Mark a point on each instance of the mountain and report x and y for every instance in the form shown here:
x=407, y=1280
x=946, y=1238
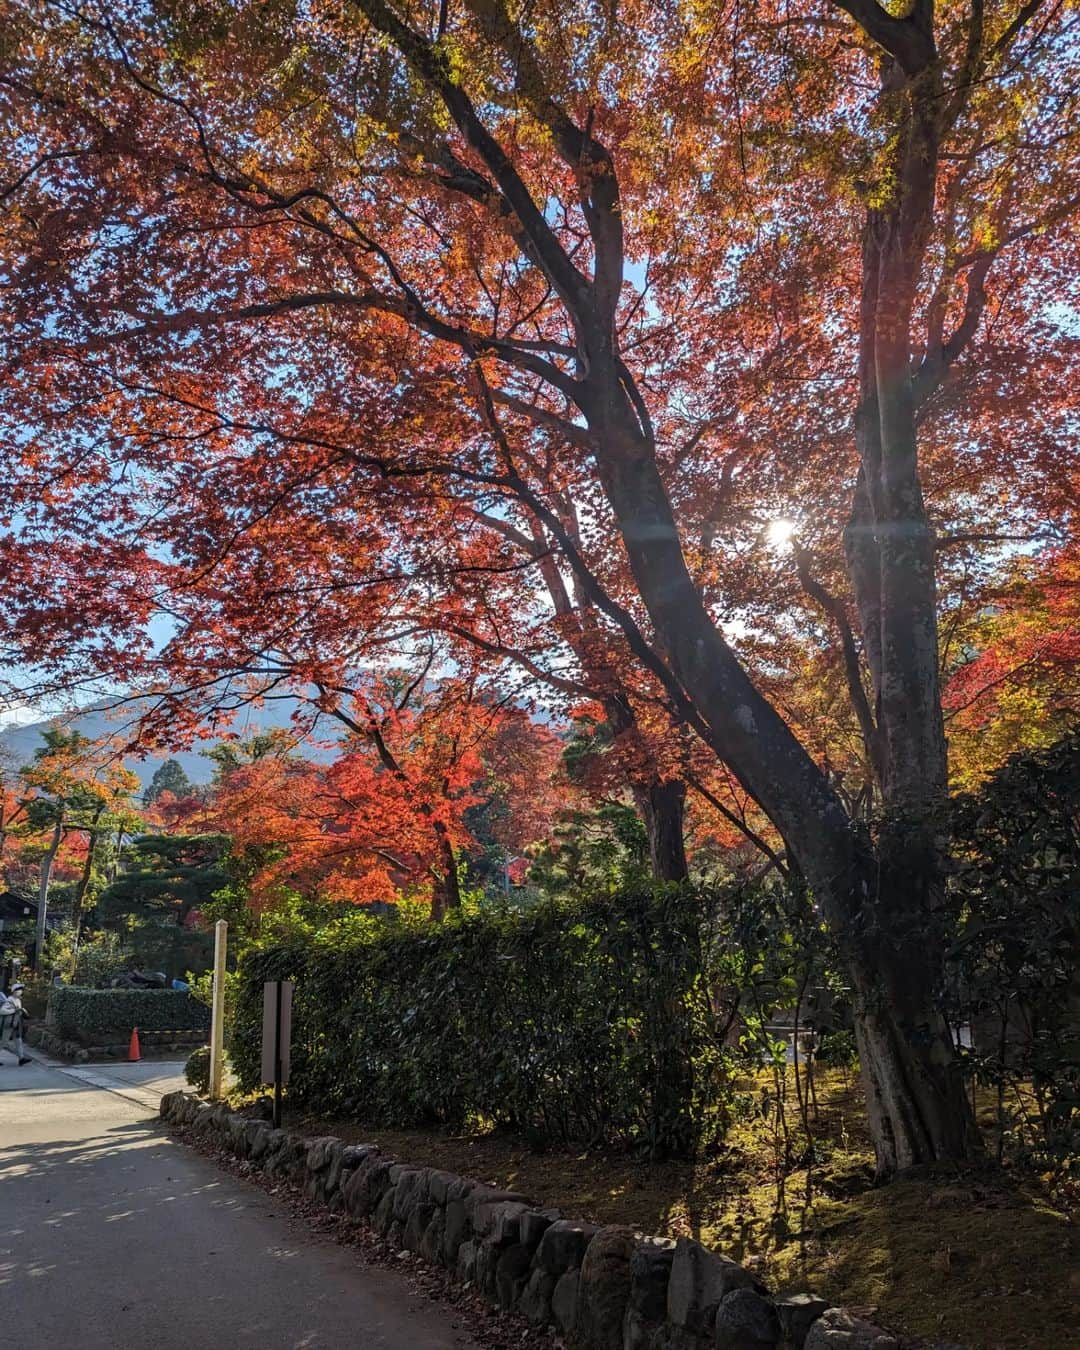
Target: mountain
x=108, y=719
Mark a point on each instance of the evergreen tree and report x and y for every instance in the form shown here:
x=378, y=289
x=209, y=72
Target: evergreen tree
x=168, y=777
x=165, y=878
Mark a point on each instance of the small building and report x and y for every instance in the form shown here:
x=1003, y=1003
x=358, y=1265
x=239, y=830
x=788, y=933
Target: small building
x=16, y=909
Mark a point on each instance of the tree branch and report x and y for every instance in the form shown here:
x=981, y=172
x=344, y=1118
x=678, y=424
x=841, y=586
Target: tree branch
x=433, y=69
x=909, y=40
x=852, y=670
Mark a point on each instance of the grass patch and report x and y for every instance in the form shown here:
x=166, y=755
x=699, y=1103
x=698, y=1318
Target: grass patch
x=983, y=1259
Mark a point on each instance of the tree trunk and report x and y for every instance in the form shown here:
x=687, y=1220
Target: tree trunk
x=919, y=1111
x=662, y=805
x=84, y=879
x=869, y=903
x=446, y=893
x=83, y=887
x=43, y=889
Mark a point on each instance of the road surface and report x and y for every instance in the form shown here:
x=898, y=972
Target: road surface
x=113, y=1237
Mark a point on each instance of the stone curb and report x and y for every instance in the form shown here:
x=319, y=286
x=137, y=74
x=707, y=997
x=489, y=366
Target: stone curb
x=602, y=1288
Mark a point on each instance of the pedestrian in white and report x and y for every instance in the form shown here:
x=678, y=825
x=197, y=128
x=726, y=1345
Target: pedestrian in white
x=11, y=1024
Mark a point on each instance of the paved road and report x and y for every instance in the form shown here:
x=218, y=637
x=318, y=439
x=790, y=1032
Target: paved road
x=112, y=1237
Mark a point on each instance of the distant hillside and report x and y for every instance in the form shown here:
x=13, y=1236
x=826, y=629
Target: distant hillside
x=105, y=720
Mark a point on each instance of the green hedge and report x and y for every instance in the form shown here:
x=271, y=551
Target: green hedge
x=585, y=1021
x=73, y=1010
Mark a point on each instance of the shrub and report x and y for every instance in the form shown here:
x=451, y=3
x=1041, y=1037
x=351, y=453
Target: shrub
x=1014, y=964
x=74, y=1011
x=197, y=1069
x=100, y=957
x=590, y=1020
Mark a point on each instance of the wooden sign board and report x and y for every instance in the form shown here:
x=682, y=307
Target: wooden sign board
x=277, y=1030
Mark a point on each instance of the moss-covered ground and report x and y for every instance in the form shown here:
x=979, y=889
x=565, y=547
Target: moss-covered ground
x=983, y=1258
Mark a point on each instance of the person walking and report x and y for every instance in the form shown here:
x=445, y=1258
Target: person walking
x=12, y=1018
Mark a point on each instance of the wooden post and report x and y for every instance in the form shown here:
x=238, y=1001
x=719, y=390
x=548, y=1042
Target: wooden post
x=277, y=1038
x=217, y=1011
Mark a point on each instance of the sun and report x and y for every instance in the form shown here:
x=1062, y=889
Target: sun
x=779, y=534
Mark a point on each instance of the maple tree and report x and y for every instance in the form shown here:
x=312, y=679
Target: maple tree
x=291, y=331
x=1015, y=685
x=74, y=788
x=393, y=810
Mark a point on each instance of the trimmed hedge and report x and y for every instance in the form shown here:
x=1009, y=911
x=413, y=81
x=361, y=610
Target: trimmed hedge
x=74, y=1011
x=588, y=1020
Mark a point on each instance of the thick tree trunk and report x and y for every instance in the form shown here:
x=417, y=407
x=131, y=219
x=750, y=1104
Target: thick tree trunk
x=918, y=1108
x=916, y=1115
x=918, y=1112
x=916, y=1102
x=662, y=804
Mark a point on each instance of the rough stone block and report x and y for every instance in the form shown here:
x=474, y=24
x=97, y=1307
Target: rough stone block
x=638, y=1332
x=456, y=1229
x=535, y=1301
x=262, y=1108
x=257, y=1136
x=650, y=1272
x=335, y=1163
x=699, y=1280
x=533, y=1224
x=797, y=1315
x=336, y=1201
x=564, y=1301
x=512, y=1274
x=384, y=1213
x=487, y=1258
x=668, y=1337
x=500, y=1223
x=235, y=1127
x=465, y=1265
x=319, y=1152
x=746, y=1321
x=837, y=1329
x=169, y=1106
x=408, y=1188
x=563, y=1246
x=488, y=1198
x=460, y=1188
x=603, y=1293
x=439, y=1184
x=352, y=1155
x=288, y=1158
x=431, y=1243
x=200, y=1120
x=275, y=1142
x=414, y=1226
x=367, y=1185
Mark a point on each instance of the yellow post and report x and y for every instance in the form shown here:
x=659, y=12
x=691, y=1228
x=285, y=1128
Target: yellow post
x=217, y=1011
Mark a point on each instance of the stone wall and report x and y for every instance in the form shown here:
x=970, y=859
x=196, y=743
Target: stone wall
x=601, y=1288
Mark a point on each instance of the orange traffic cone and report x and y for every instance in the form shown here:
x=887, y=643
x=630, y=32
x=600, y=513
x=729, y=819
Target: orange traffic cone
x=133, y=1047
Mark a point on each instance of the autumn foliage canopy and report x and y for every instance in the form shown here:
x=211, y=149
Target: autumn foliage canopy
x=710, y=368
